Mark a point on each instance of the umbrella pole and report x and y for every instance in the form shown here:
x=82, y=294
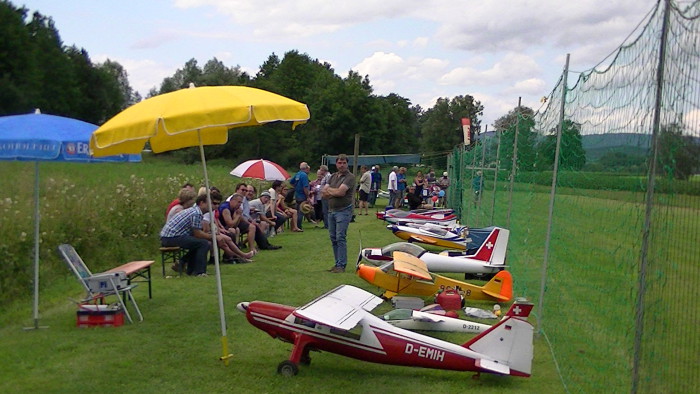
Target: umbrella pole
x=36, y=249
x=224, y=341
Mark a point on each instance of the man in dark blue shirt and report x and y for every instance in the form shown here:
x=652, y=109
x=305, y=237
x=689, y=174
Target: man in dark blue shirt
x=375, y=185
x=301, y=189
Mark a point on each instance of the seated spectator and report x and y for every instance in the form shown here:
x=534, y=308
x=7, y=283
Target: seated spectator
x=259, y=209
x=279, y=217
x=177, y=200
x=185, y=199
x=289, y=212
x=414, y=200
x=232, y=253
x=185, y=230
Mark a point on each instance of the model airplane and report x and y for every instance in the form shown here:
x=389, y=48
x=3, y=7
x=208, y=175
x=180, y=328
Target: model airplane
x=455, y=237
x=425, y=321
x=487, y=259
x=409, y=275
x=441, y=216
x=339, y=322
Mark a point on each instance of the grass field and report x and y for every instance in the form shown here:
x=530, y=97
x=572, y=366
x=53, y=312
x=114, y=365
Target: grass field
x=112, y=213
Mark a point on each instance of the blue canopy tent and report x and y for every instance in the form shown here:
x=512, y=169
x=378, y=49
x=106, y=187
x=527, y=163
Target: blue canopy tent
x=37, y=137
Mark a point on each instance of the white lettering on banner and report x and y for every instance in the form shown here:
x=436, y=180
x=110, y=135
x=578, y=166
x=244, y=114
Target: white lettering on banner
x=425, y=352
x=83, y=149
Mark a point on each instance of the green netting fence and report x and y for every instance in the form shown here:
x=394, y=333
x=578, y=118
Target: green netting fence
x=601, y=192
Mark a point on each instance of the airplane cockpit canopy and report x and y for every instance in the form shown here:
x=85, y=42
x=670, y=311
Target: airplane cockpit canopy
x=406, y=247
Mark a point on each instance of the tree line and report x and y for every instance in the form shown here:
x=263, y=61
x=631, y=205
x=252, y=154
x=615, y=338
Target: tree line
x=38, y=71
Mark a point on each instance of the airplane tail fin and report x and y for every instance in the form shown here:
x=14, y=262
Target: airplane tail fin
x=493, y=250
x=507, y=346
x=500, y=286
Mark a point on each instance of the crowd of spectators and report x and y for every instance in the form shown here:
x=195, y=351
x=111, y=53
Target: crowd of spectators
x=246, y=219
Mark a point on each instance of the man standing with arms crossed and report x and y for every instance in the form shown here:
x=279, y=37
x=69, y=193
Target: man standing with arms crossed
x=339, y=192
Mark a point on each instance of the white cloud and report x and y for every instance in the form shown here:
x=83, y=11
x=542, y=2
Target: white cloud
x=509, y=68
x=380, y=64
x=530, y=86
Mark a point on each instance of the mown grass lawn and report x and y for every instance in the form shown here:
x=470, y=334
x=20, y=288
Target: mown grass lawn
x=176, y=348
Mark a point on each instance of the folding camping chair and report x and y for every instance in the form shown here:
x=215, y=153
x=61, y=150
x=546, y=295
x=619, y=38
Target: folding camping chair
x=98, y=286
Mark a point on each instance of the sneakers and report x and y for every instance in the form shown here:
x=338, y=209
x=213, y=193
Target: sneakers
x=202, y=275
x=336, y=270
x=271, y=247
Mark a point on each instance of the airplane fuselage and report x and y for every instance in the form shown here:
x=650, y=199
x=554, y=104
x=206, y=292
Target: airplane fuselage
x=373, y=340
x=399, y=283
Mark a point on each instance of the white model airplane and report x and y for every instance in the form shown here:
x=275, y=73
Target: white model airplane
x=339, y=322
x=489, y=258
x=425, y=321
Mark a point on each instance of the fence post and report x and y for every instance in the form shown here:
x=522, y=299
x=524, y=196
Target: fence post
x=651, y=177
x=552, y=193
x=495, y=174
x=515, y=161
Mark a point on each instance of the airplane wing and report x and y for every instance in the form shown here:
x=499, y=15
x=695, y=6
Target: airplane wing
x=411, y=265
x=339, y=308
x=427, y=317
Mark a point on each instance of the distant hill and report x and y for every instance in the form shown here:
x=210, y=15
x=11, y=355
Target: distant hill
x=597, y=145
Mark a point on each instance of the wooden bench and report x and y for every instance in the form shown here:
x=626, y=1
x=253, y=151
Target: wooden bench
x=137, y=269
x=171, y=254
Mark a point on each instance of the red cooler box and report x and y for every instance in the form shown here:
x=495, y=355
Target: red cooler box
x=100, y=315
x=449, y=300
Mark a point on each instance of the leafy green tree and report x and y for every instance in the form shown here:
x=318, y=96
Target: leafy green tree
x=116, y=71
x=520, y=119
x=55, y=78
x=679, y=153
x=215, y=73
x=572, y=156
x=441, y=125
x=18, y=83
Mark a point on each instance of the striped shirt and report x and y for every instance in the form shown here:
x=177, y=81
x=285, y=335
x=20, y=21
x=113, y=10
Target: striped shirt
x=183, y=223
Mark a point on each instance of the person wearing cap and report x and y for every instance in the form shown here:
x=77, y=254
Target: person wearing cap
x=259, y=208
x=444, y=183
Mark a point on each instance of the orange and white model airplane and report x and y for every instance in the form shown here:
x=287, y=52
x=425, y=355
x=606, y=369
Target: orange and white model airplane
x=340, y=322
x=482, y=263
x=409, y=275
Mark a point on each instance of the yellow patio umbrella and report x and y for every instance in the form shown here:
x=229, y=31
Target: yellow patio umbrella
x=196, y=116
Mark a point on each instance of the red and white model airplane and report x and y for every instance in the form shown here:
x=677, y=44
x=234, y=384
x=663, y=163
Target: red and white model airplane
x=339, y=322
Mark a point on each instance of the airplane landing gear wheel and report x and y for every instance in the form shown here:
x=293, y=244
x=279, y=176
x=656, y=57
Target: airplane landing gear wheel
x=287, y=369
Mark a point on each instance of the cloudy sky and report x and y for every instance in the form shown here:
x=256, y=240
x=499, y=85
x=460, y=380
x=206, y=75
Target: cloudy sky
x=494, y=50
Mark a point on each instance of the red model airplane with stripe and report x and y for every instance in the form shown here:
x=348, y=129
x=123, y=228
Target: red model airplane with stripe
x=339, y=322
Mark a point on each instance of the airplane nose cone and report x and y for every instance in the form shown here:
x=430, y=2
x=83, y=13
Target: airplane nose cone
x=242, y=306
x=366, y=272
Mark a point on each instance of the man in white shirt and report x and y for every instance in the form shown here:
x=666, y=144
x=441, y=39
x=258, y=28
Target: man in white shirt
x=393, y=186
x=260, y=207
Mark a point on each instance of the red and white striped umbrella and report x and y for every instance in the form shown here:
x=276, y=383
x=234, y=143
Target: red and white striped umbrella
x=260, y=169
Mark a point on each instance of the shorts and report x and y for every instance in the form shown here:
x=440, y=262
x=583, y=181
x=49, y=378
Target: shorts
x=364, y=195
